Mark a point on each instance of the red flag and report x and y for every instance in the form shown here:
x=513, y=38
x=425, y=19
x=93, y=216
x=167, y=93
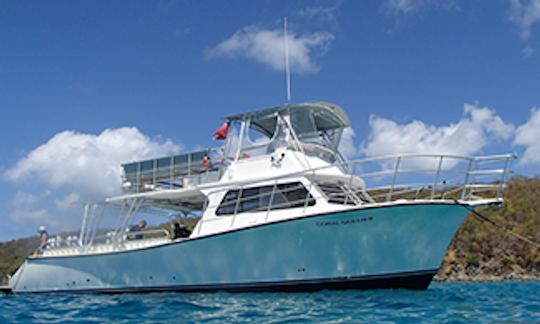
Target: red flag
x=221, y=132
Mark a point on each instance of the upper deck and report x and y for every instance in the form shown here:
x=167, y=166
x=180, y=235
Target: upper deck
x=172, y=172
x=312, y=129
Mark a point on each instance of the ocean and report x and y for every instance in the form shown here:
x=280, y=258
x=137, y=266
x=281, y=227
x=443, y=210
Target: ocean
x=442, y=302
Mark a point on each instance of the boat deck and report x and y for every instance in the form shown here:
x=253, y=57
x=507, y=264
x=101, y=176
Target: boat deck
x=107, y=248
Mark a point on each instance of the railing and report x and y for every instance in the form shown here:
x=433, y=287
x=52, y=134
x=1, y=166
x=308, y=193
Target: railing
x=415, y=176
x=146, y=234
x=388, y=178
x=70, y=244
x=174, y=172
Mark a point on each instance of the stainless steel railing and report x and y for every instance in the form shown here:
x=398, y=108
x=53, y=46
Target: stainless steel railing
x=389, y=178
x=149, y=175
x=434, y=176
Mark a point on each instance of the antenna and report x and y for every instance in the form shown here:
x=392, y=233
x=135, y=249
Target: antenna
x=287, y=68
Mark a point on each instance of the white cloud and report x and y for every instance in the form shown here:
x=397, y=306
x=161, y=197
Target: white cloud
x=267, y=47
x=346, y=146
x=324, y=13
x=25, y=215
x=24, y=209
x=87, y=164
x=25, y=199
x=477, y=127
x=68, y=202
x=397, y=7
x=528, y=135
x=525, y=13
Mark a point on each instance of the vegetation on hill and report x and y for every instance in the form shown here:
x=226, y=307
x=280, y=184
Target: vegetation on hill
x=482, y=251
x=479, y=251
x=13, y=254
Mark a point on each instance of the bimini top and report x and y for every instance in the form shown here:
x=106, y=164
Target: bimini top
x=305, y=117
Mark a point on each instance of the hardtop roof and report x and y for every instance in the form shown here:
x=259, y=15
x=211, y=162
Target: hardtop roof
x=325, y=116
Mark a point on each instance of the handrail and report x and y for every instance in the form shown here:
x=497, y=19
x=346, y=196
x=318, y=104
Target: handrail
x=387, y=179
x=447, y=178
x=147, y=232
x=444, y=189
x=173, y=175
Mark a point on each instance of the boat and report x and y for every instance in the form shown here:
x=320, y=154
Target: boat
x=278, y=209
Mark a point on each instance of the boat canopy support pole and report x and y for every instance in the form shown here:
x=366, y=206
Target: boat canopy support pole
x=240, y=140
x=134, y=205
x=96, y=224
x=86, y=231
x=83, y=225
x=296, y=142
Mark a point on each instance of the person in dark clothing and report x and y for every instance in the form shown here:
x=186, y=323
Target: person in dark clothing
x=137, y=228
x=180, y=230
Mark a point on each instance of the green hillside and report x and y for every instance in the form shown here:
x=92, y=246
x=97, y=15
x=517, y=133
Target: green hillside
x=13, y=253
x=483, y=251
x=480, y=251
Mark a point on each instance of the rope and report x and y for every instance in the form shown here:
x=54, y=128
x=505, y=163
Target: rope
x=512, y=233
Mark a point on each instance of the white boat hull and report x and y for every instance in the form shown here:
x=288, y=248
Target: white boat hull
x=394, y=246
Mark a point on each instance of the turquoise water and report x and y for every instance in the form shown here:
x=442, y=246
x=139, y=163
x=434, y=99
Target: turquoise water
x=448, y=302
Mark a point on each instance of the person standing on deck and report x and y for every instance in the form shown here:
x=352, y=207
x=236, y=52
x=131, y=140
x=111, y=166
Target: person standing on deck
x=43, y=238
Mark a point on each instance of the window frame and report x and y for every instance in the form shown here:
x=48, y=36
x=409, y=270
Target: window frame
x=236, y=199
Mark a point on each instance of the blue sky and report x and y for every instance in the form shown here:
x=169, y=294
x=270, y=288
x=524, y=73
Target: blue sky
x=97, y=82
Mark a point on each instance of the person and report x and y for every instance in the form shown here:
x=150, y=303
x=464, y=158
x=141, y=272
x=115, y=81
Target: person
x=43, y=239
x=207, y=163
x=137, y=228
x=180, y=230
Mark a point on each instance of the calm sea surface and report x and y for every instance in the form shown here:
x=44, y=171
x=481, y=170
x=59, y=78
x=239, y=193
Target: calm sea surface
x=448, y=302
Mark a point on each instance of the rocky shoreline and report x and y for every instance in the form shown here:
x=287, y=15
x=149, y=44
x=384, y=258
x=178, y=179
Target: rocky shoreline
x=511, y=277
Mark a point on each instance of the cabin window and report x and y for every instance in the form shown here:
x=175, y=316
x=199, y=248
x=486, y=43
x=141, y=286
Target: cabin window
x=286, y=195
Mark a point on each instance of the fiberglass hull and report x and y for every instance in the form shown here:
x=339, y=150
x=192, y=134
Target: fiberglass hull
x=396, y=246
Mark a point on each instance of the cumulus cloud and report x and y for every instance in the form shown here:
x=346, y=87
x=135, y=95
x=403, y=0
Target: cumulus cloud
x=347, y=146
x=26, y=199
x=525, y=13
x=24, y=209
x=87, y=164
x=398, y=7
x=528, y=135
x=75, y=167
x=26, y=215
x=267, y=47
x=68, y=202
x=471, y=134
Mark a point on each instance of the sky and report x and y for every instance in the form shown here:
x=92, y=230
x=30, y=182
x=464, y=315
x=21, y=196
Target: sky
x=87, y=85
